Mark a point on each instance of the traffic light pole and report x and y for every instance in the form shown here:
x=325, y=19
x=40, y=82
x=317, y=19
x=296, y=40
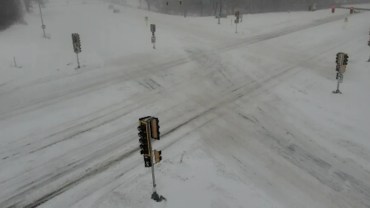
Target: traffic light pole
x=155, y=195
x=42, y=20
x=340, y=79
x=148, y=130
x=78, y=61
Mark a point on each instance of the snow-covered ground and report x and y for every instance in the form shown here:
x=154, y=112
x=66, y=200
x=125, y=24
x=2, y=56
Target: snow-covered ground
x=247, y=119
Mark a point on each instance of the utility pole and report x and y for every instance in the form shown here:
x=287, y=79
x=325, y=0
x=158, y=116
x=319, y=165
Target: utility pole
x=43, y=26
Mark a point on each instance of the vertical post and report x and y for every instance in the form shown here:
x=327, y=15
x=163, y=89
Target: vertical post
x=78, y=61
x=15, y=63
x=340, y=79
x=155, y=195
x=368, y=43
x=149, y=130
x=236, y=27
x=219, y=12
x=42, y=20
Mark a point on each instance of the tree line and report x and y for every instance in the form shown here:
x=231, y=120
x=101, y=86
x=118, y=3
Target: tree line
x=227, y=7
x=12, y=11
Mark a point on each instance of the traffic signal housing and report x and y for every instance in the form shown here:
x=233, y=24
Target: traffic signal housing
x=345, y=59
x=157, y=156
x=143, y=138
x=154, y=126
x=147, y=161
x=76, y=42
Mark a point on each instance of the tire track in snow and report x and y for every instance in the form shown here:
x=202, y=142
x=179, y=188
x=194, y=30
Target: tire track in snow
x=237, y=93
x=116, y=78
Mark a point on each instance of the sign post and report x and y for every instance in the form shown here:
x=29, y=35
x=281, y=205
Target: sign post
x=76, y=41
x=148, y=130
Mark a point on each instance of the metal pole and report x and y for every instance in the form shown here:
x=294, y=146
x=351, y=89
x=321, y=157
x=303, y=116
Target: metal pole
x=236, y=27
x=15, y=63
x=78, y=61
x=219, y=13
x=153, y=175
x=155, y=195
x=42, y=19
x=340, y=78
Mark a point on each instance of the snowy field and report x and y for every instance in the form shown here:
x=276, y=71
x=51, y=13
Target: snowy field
x=247, y=119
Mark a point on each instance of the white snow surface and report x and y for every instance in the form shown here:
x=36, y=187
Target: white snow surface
x=247, y=119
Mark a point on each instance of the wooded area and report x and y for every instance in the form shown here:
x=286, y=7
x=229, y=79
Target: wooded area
x=212, y=7
x=10, y=11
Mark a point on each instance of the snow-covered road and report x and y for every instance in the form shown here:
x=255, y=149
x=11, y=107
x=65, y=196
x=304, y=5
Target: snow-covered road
x=250, y=116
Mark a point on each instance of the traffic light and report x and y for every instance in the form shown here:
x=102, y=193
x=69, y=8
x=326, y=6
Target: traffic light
x=368, y=43
x=337, y=58
x=157, y=156
x=152, y=28
x=76, y=42
x=237, y=14
x=345, y=59
x=147, y=161
x=337, y=68
x=180, y=2
x=167, y=3
x=143, y=138
x=154, y=122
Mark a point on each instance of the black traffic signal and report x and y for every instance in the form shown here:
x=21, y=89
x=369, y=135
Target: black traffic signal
x=143, y=138
x=167, y=3
x=147, y=161
x=345, y=59
x=337, y=68
x=152, y=28
x=237, y=14
x=337, y=58
x=76, y=42
x=154, y=122
x=180, y=2
x=368, y=43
